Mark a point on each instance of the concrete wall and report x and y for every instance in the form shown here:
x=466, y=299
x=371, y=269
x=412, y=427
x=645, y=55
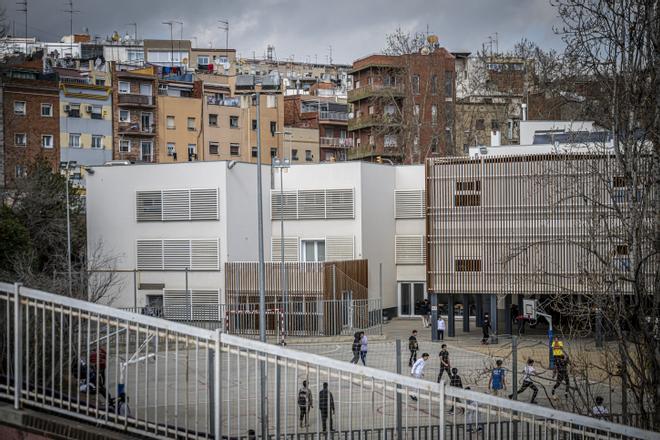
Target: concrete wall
x=111, y=219
x=527, y=128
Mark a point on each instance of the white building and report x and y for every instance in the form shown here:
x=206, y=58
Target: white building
x=162, y=219
x=157, y=218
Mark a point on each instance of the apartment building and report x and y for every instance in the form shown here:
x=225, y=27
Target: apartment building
x=134, y=122
x=403, y=106
x=30, y=120
x=180, y=122
x=213, y=61
x=170, y=54
x=85, y=121
x=325, y=114
x=230, y=118
x=491, y=96
x=301, y=145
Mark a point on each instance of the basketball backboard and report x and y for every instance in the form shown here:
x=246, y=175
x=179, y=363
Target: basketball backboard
x=530, y=308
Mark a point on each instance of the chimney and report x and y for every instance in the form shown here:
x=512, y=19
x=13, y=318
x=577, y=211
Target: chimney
x=495, y=138
x=524, y=111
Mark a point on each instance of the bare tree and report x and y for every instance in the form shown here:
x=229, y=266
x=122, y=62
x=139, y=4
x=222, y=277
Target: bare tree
x=612, y=188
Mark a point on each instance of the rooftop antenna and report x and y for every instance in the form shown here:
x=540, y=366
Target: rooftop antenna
x=330, y=54
x=23, y=7
x=180, y=38
x=135, y=29
x=71, y=11
x=497, y=43
x=224, y=26
x=170, y=24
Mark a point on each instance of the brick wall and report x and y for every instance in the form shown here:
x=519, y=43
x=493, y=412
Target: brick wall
x=33, y=93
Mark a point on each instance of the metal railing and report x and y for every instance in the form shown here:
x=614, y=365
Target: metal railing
x=333, y=116
x=307, y=316
x=68, y=356
x=130, y=98
x=336, y=142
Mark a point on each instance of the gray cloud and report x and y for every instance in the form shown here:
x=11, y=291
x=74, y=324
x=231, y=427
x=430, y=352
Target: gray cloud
x=304, y=29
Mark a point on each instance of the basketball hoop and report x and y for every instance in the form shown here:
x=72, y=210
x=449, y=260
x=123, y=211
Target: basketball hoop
x=530, y=307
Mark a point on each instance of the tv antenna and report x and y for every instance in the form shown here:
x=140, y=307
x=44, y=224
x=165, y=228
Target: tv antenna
x=224, y=26
x=135, y=29
x=71, y=11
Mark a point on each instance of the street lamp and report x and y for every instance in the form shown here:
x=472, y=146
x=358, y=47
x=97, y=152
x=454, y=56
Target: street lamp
x=282, y=165
x=67, y=167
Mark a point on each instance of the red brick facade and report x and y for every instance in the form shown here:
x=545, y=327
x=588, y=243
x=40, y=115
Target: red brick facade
x=29, y=135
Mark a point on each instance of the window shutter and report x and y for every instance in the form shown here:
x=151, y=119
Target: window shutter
x=311, y=204
x=148, y=206
x=204, y=204
x=339, y=248
x=290, y=205
x=410, y=203
x=205, y=254
x=291, y=249
x=176, y=304
x=149, y=254
x=410, y=249
x=340, y=203
x=176, y=205
x=176, y=254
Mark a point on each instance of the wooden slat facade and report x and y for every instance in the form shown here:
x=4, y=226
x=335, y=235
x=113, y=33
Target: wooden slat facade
x=518, y=224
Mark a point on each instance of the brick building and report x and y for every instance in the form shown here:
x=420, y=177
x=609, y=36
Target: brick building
x=403, y=106
x=135, y=119
x=325, y=114
x=30, y=119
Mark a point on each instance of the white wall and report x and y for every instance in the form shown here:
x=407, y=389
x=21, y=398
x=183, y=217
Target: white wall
x=111, y=218
x=528, y=128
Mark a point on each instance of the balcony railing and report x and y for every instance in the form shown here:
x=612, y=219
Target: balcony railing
x=227, y=102
x=332, y=142
x=375, y=90
x=372, y=120
x=136, y=129
x=333, y=116
x=131, y=99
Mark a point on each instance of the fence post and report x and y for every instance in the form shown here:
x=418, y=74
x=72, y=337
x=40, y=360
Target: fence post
x=399, y=423
x=217, y=408
x=514, y=367
x=135, y=310
x=18, y=348
x=334, y=282
x=442, y=410
x=380, y=294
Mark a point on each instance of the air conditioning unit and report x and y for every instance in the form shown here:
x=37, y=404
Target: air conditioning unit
x=88, y=108
x=67, y=108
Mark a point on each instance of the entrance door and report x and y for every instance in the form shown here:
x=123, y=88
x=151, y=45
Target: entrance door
x=411, y=294
x=146, y=151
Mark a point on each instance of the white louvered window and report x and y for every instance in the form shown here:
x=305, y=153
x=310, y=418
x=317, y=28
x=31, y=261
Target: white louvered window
x=410, y=249
x=150, y=254
x=339, y=248
x=178, y=254
x=311, y=204
x=410, y=204
x=339, y=203
x=195, y=304
x=314, y=204
x=177, y=205
x=291, y=249
x=290, y=205
x=149, y=206
x=204, y=204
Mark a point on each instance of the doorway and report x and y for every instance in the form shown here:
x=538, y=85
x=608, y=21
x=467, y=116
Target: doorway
x=411, y=294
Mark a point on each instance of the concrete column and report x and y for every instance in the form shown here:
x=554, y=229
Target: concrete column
x=451, y=319
x=434, y=317
x=507, y=315
x=466, y=313
x=493, y=319
x=478, y=309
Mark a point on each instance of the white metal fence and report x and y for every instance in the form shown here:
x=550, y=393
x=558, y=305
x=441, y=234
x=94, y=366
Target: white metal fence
x=72, y=357
x=311, y=317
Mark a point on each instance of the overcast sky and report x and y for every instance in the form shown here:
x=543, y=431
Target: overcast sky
x=303, y=28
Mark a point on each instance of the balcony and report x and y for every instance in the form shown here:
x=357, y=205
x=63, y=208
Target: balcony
x=333, y=116
x=371, y=152
x=129, y=99
x=375, y=90
x=136, y=129
x=332, y=142
x=372, y=121
x=227, y=102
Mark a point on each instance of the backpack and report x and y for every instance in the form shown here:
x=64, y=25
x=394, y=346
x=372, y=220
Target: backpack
x=302, y=397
